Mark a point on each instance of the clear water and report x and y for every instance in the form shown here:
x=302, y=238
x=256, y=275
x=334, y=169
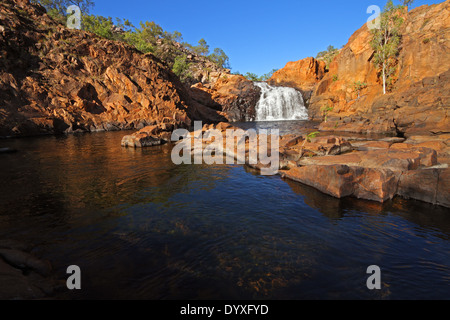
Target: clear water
x=142, y=228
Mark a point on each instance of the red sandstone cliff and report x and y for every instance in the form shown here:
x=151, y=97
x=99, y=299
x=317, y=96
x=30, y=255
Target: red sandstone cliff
x=302, y=75
x=233, y=95
x=57, y=80
x=419, y=102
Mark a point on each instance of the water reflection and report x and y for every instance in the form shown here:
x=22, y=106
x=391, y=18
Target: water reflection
x=419, y=213
x=140, y=227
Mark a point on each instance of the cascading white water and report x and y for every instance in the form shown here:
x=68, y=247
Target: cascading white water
x=280, y=103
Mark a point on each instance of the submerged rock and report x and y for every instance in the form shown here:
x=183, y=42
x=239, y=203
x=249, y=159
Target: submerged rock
x=24, y=260
x=22, y=275
x=141, y=141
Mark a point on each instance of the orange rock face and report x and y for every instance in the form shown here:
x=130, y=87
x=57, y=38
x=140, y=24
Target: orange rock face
x=377, y=175
x=419, y=101
x=302, y=75
x=57, y=80
x=342, y=181
x=233, y=95
x=372, y=170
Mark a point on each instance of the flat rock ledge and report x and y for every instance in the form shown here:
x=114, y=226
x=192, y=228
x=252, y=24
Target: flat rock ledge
x=150, y=136
x=378, y=170
x=417, y=168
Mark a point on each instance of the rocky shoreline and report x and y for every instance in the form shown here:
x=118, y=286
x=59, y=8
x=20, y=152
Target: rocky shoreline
x=375, y=170
x=378, y=170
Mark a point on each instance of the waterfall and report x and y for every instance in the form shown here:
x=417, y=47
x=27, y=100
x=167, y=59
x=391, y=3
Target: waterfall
x=280, y=103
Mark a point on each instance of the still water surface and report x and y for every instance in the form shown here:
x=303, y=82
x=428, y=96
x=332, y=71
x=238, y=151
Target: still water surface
x=140, y=227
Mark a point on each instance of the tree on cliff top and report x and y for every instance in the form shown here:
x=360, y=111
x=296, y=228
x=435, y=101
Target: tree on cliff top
x=407, y=3
x=254, y=77
x=386, y=42
x=220, y=58
x=328, y=55
x=148, y=37
x=202, y=49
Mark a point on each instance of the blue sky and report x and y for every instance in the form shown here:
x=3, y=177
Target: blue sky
x=258, y=36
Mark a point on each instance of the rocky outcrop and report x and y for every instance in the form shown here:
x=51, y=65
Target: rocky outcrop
x=376, y=170
x=413, y=165
x=150, y=136
x=56, y=80
x=302, y=75
x=343, y=181
x=233, y=95
x=419, y=102
x=430, y=185
x=200, y=68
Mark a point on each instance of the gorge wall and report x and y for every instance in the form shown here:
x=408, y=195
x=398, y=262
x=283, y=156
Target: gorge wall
x=419, y=102
x=56, y=80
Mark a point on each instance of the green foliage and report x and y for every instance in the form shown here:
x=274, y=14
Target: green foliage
x=269, y=75
x=328, y=55
x=181, y=68
x=145, y=37
x=254, y=77
x=148, y=37
x=407, y=3
x=57, y=9
x=386, y=42
x=220, y=58
x=202, y=49
x=325, y=110
x=358, y=86
x=99, y=25
x=312, y=135
x=335, y=78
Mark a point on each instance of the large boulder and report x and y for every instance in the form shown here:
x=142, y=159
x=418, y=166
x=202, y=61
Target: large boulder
x=378, y=170
x=151, y=136
x=343, y=181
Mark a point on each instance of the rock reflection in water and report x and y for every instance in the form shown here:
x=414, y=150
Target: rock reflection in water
x=140, y=227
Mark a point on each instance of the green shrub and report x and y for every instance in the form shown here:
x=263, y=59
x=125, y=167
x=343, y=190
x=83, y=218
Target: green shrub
x=181, y=68
x=358, y=86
